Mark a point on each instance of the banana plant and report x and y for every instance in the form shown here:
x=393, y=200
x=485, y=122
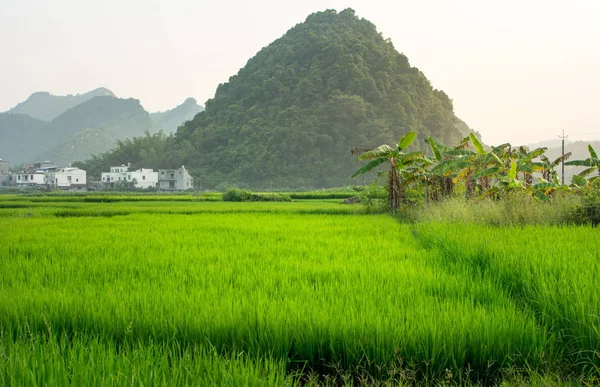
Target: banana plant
x=419, y=173
x=592, y=162
x=544, y=188
x=475, y=167
x=397, y=159
x=441, y=178
x=526, y=164
x=507, y=183
x=549, y=167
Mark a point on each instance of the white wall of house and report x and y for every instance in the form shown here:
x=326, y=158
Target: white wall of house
x=143, y=178
x=122, y=168
x=67, y=177
x=24, y=179
x=175, y=179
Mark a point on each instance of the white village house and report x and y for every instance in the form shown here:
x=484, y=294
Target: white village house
x=141, y=178
x=175, y=179
x=33, y=175
x=29, y=178
x=49, y=175
x=69, y=177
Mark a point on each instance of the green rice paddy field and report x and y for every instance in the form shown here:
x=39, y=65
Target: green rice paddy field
x=191, y=292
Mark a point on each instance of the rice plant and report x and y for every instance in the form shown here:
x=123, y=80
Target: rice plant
x=285, y=293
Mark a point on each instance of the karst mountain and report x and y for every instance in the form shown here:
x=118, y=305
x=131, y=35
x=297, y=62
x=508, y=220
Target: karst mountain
x=291, y=115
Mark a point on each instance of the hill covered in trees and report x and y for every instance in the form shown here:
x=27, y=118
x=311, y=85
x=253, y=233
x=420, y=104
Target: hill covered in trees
x=291, y=115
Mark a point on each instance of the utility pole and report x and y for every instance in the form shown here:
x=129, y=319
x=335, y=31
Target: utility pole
x=563, y=155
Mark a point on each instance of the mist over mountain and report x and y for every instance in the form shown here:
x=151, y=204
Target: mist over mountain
x=45, y=106
x=80, y=146
x=552, y=143
x=120, y=118
x=17, y=133
x=91, y=126
x=170, y=120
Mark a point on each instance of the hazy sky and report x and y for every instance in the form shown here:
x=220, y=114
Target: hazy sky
x=517, y=70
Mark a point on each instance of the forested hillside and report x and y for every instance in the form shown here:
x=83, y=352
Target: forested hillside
x=79, y=146
x=290, y=117
x=292, y=114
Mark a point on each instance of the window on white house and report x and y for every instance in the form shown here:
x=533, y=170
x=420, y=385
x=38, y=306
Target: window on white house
x=77, y=180
x=144, y=177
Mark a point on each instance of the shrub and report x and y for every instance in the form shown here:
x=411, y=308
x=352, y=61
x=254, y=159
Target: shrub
x=244, y=195
x=588, y=212
x=374, y=198
x=237, y=195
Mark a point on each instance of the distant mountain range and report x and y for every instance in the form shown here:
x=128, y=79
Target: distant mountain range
x=171, y=119
x=46, y=107
x=64, y=129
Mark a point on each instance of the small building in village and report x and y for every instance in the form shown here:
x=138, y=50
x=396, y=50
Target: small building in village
x=29, y=178
x=122, y=175
x=69, y=177
x=175, y=179
x=48, y=175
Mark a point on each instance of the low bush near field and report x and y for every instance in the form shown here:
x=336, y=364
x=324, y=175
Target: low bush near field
x=244, y=195
x=588, y=212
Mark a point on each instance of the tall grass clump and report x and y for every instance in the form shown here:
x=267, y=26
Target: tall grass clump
x=515, y=209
